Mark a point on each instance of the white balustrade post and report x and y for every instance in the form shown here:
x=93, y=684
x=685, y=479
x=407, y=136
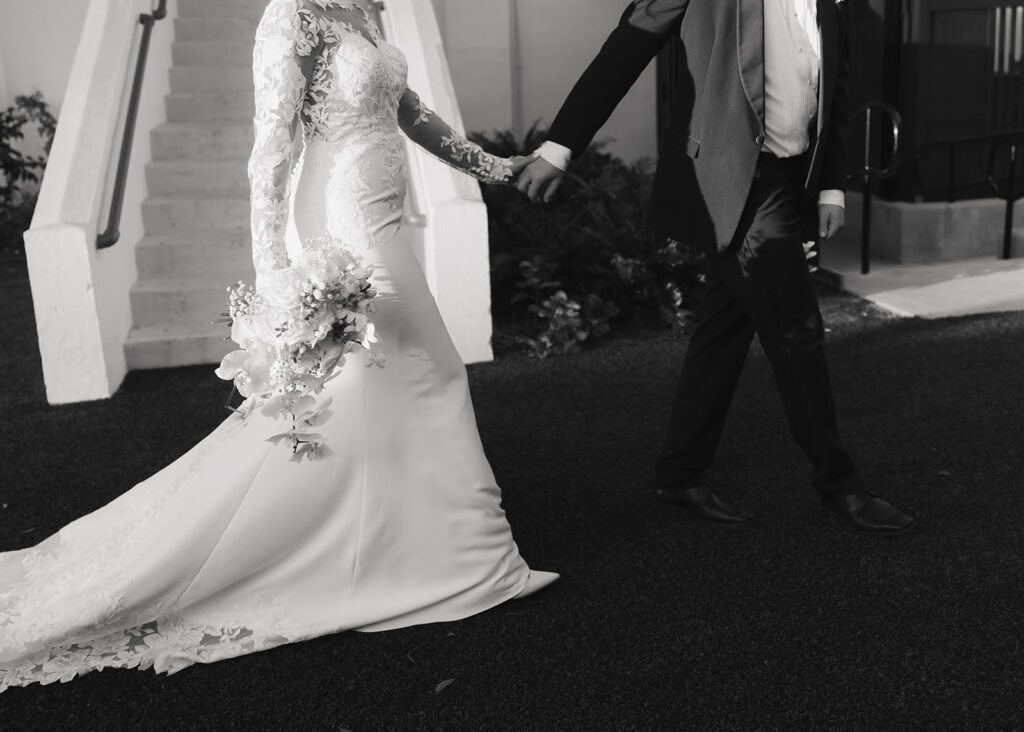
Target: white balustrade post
x=455, y=251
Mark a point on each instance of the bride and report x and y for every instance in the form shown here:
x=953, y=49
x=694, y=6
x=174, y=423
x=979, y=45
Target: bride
x=234, y=548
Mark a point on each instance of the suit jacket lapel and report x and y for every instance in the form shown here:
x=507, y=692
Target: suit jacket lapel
x=828, y=24
x=750, y=50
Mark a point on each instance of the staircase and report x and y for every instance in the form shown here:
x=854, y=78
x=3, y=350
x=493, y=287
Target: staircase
x=196, y=218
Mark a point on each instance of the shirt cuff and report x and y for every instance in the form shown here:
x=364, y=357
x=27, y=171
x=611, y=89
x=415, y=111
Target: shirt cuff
x=557, y=155
x=832, y=198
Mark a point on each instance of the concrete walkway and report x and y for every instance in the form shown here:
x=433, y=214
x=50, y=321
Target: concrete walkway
x=966, y=287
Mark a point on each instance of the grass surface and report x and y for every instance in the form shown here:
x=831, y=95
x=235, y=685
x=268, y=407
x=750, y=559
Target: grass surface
x=789, y=621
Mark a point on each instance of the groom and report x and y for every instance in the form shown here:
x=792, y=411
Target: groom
x=753, y=166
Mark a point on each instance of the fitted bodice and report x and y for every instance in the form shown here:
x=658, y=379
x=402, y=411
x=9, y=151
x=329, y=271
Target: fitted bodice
x=324, y=65
x=354, y=89
x=349, y=186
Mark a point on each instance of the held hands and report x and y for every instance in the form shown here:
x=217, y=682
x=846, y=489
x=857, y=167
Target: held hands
x=540, y=180
x=516, y=165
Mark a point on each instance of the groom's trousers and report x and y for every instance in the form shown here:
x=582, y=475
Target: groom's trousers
x=761, y=284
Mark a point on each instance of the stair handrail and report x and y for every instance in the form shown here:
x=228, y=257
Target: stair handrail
x=1010, y=193
x=869, y=173
x=112, y=234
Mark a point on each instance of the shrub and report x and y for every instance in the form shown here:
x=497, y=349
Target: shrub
x=18, y=201
x=572, y=270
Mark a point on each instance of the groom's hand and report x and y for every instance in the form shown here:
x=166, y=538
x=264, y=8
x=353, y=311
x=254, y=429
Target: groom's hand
x=540, y=180
x=831, y=219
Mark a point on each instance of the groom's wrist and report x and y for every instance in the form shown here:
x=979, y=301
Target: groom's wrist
x=557, y=155
x=833, y=197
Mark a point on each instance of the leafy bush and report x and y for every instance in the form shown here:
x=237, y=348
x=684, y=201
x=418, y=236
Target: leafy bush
x=585, y=264
x=18, y=201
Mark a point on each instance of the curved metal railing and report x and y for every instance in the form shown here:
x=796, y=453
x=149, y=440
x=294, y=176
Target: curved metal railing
x=112, y=234
x=868, y=173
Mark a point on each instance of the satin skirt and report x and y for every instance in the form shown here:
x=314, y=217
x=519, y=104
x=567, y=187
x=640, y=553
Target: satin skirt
x=234, y=548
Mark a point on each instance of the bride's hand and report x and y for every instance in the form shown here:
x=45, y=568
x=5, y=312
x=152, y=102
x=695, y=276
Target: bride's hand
x=518, y=165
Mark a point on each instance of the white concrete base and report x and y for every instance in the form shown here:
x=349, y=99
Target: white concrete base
x=80, y=351
x=926, y=233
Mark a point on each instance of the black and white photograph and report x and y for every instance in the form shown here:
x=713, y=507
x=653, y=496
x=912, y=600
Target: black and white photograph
x=511, y=365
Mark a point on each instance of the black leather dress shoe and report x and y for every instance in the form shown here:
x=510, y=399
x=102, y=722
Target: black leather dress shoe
x=701, y=502
x=868, y=513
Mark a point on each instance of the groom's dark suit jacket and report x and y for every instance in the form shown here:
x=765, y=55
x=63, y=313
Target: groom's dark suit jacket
x=716, y=129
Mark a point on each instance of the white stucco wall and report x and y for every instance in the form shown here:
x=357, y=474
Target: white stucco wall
x=38, y=41
x=514, y=61
x=477, y=36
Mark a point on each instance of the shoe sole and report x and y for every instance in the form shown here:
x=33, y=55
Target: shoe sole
x=874, y=532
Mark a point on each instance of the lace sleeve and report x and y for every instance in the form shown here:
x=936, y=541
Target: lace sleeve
x=285, y=36
x=435, y=136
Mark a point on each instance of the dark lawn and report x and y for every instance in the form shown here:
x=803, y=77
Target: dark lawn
x=789, y=621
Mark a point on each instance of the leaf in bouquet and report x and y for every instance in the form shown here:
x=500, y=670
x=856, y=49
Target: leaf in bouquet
x=326, y=404
x=302, y=404
x=319, y=418
x=273, y=407
x=321, y=452
x=278, y=439
x=301, y=452
x=333, y=365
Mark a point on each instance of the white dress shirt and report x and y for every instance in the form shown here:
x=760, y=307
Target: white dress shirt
x=792, y=67
x=792, y=63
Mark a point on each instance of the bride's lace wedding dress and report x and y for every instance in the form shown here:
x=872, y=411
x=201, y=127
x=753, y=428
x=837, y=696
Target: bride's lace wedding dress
x=234, y=548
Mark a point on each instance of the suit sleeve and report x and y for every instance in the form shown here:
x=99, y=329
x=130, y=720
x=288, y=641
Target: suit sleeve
x=645, y=27
x=834, y=166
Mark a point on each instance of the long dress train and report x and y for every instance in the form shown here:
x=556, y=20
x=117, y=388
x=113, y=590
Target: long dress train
x=234, y=548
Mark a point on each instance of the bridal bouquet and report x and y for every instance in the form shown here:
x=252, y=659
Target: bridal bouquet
x=294, y=331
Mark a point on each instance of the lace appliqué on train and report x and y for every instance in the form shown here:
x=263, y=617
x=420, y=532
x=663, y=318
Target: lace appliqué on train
x=82, y=578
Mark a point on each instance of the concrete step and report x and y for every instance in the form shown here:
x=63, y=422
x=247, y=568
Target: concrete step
x=180, y=300
x=225, y=140
x=185, y=79
x=245, y=10
x=210, y=107
x=196, y=253
x=168, y=214
x=163, y=346
x=211, y=53
x=206, y=28
x=217, y=177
